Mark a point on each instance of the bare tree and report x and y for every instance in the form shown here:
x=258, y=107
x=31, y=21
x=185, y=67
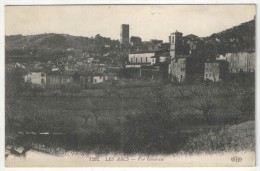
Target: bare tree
x=206, y=105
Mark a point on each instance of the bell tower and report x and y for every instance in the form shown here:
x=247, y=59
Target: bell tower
x=175, y=47
x=175, y=44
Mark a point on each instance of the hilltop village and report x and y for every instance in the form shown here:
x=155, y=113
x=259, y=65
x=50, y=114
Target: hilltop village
x=189, y=95
x=183, y=59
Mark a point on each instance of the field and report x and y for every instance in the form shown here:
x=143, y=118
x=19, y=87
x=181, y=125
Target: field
x=130, y=117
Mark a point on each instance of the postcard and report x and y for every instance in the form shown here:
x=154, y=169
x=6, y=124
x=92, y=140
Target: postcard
x=130, y=85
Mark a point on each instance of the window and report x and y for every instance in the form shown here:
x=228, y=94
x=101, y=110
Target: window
x=245, y=64
x=213, y=75
x=146, y=59
x=100, y=77
x=172, y=39
x=206, y=75
x=131, y=60
x=209, y=75
x=141, y=60
x=248, y=63
x=135, y=60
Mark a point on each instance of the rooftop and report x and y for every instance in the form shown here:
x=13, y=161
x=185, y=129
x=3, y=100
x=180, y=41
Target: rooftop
x=176, y=32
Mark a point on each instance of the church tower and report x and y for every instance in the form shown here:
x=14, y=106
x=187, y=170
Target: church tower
x=175, y=47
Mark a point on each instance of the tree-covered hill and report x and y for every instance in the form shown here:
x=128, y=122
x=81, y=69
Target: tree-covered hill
x=55, y=45
x=235, y=39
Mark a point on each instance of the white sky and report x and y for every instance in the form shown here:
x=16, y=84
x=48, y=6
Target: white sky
x=146, y=21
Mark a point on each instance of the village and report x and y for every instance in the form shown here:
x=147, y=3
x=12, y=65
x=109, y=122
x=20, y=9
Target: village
x=169, y=88
x=182, y=59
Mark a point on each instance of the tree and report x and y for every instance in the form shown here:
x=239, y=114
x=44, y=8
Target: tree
x=205, y=105
x=14, y=83
x=14, y=87
x=150, y=129
x=205, y=102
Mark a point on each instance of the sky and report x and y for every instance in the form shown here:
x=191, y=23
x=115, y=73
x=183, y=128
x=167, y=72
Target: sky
x=146, y=21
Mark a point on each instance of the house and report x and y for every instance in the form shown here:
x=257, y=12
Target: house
x=144, y=58
x=184, y=66
x=111, y=74
x=98, y=78
x=179, y=69
x=59, y=78
x=241, y=62
x=162, y=61
x=36, y=77
x=150, y=72
x=216, y=70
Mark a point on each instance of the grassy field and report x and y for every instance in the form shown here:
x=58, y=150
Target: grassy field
x=98, y=119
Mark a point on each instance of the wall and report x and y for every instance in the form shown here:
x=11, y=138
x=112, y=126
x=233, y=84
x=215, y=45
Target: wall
x=179, y=69
x=241, y=61
x=212, y=71
x=141, y=58
x=58, y=79
x=38, y=78
x=97, y=79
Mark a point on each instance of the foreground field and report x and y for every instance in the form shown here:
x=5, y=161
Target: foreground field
x=152, y=118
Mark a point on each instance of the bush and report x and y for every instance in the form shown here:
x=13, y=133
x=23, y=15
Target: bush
x=235, y=138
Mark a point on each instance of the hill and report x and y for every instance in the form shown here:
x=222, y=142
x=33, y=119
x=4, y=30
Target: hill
x=56, y=45
x=235, y=39
x=51, y=45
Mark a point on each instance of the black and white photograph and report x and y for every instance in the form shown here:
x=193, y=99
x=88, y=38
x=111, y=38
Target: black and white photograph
x=130, y=85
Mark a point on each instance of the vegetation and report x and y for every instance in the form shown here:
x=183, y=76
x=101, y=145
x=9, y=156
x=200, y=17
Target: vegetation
x=234, y=138
x=238, y=38
x=52, y=46
x=131, y=116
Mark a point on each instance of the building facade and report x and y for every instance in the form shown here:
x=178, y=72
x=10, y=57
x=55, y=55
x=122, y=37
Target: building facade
x=141, y=58
x=98, y=78
x=184, y=68
x=57, y=79
x=175, y=40
x=37, y=78
x=241, y=62
x=216, y=71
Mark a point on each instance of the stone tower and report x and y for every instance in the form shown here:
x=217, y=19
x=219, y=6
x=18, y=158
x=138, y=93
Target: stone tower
x=124, y=34
x=175, y=47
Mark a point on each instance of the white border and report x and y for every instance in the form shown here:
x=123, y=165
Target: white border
x=78, y=2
